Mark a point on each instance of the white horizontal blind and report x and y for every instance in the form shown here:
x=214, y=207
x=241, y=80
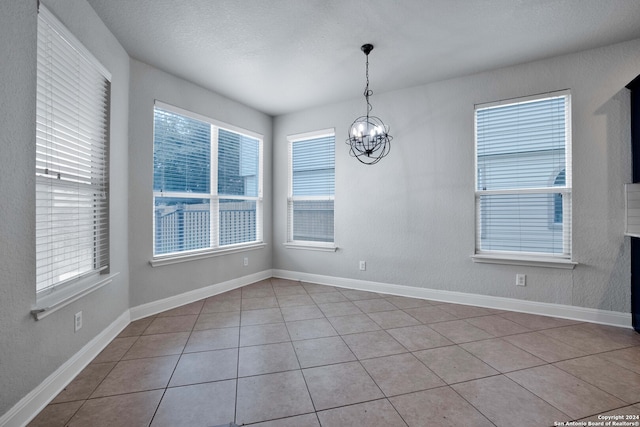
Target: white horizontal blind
x=207, y=184
x=523, y=176
x=72, y=132
x=312, y=184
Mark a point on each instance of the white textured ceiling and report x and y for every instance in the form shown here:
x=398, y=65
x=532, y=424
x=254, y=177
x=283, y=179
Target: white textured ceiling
x=280, y=56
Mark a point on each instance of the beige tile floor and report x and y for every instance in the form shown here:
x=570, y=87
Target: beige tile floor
x=280, y=353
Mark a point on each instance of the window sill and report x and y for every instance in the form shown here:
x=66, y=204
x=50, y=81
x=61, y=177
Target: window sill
x=177, y=258
x=55, y=300
x=548, y=262
x=311, y=246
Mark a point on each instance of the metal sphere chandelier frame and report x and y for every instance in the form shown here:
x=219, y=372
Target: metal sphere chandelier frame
x=369, y=137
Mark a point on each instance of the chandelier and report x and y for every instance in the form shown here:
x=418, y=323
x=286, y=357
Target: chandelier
x=369, y=137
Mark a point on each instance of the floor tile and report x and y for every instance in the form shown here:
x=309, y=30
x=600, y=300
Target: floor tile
x=56, y=415
x=187, y=309
x=438, y=407
x=312, y=328
x=212, y=339
x=567, y=393
x=261, y=316
x=459, y=331
x=308, y=420
x=217, y=320
x=497, y=326
x=627, y=358
x=130, y=376
x=393, y=319
x=400, y=374
x=429, y=314
x=503, y=401
x=213, y=305
x=404, y=302
x=234, y=294
x=294, y=300
x=136, y=327
x=501, y=355
x=208, y=404
x=135, y=409
x=591, y=340
x=324, y=297
x=205, y=366
x=257, y=292
x=272, y=396
x=544, y=347
x=85, y=383
x=464, y=311
x=115, y=350
x=420, y=337
x=157, y=345
x=322, y=351
x=377, y=413
x=338, y=385
x=615, y=380
x=354, y=295
x=313, y=288
x=282, y=283
x=353, y=324
x=535, y=322
x=625, y=337
x=267, y=359
x=281, y=291
x=367, y=345
x=332, y=309
x=454, y=364
x=256, y=303
x=374, y=305
x=263, y=334
x=163, y=325
x=301, y=313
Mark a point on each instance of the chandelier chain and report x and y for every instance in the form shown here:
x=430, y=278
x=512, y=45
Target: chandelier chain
x=368, y=92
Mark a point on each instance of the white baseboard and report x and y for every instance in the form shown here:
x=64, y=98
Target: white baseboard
x=154, y=307
x=583, y=314
x=30, y=405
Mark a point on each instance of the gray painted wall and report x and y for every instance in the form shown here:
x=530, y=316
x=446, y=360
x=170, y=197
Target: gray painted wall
x=148, y=283
x=29, y=350
x=411, y=216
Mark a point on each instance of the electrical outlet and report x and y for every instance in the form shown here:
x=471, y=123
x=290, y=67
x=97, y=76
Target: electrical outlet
x=363, y=265
x=521, y=279
x=246, y=261
x=77, y=321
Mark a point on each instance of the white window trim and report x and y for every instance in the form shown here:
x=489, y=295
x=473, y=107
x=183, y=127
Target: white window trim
x=54, y=298
x=525, y=258
x=304, y=244
x=186, y=256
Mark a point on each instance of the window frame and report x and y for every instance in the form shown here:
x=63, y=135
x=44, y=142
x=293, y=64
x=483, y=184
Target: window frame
x=540, y=259
x=306, y=244
x=62, y=292
x=214, y=248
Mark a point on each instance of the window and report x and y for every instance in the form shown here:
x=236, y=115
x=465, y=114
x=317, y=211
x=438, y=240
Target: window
x=207, y=180
x=523, y=173
x=311, y=187
x=72, y=152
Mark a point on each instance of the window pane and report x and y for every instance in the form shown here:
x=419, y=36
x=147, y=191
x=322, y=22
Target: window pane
x=237, y=221
x=181, y=153
x=313, y=220
x=181, y=224
x=238, y=157
x=520, y=223
x=71, y=158
x=313, y=167
x=521, y=145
